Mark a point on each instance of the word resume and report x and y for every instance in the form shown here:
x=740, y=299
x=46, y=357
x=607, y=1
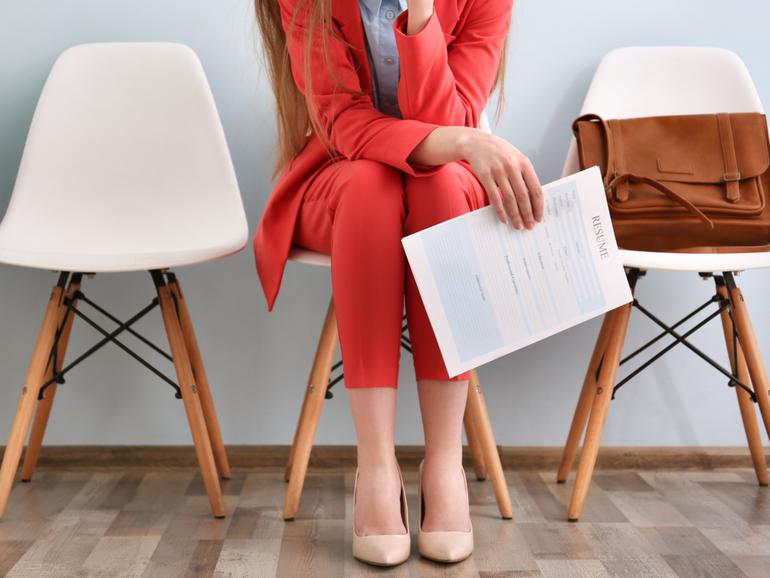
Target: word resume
x=490, y=289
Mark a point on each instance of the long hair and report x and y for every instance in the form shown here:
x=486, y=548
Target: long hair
x=295, y=113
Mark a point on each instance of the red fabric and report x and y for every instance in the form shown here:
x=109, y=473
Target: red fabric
x=446, y=71
x=370, y=276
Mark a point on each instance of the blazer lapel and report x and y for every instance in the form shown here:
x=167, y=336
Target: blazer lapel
x=347, y=15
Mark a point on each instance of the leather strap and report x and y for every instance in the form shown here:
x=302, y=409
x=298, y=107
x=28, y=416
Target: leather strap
x=609, y=158
x=732, y=175
x=673, y=195
x=622, y=190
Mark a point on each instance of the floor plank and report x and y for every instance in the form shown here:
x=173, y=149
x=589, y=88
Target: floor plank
x=149, y=523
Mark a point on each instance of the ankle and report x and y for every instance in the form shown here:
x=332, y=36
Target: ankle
x=377, y=499
x=381, y=461
x=443, y=461
x=445, y=496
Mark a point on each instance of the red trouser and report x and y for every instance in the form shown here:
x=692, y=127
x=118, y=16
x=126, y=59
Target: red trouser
x=357, y=211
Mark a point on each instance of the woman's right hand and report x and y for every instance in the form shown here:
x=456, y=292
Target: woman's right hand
x=507, y=176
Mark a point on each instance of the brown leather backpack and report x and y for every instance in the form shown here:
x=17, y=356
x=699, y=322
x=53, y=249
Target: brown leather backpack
x=683, y=182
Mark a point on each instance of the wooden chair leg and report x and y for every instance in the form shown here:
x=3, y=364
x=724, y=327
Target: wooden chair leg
x=478, y=409
x=583, y=408
x=748, y=342
x=746, y=406
x=29, y=392
x=302, y=419
x=599, y=408
x=311, y=411
x=44, y=405
x=201, y=380
x=190, y=396
x=474, y=447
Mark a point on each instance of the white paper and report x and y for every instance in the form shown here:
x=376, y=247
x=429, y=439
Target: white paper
x=490, y=289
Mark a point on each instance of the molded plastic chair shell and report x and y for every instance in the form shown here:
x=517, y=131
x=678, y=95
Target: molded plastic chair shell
x=663, y=80
x=125, y=167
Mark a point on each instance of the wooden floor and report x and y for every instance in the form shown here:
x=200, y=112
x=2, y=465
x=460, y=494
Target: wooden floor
x=157, y=523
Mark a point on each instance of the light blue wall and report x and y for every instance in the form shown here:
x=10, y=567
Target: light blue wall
x=257, y=361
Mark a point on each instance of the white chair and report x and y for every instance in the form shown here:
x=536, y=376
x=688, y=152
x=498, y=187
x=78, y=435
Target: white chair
x=481, y=440
x=125, y=168
x=650, y=81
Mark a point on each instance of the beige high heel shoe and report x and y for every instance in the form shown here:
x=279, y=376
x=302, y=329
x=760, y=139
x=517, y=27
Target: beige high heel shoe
x=383, y=549
x=442, y=546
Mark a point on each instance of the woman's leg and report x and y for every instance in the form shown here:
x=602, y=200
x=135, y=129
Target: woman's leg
x=379, y=487
x=450, y=192
x=442, y=405
x=354, y=211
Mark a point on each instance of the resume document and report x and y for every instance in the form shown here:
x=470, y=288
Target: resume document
x=490, y=289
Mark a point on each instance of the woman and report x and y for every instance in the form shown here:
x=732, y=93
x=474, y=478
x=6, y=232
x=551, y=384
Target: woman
x=377, y=104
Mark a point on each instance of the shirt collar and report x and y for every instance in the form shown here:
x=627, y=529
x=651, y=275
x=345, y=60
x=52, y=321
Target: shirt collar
x=374, y=5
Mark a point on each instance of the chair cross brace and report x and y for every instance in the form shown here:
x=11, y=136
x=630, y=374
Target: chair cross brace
x=722, y=304
x=108, y=336
x=406, y=343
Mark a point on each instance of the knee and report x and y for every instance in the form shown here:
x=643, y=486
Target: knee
x=372, y=193
x=435, y=198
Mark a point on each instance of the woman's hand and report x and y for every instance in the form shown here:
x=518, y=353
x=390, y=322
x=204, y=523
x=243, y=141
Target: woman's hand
x=419, y=12
x=507, y=176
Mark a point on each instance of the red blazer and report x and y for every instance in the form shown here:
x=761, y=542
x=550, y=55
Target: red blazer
x=447, y=70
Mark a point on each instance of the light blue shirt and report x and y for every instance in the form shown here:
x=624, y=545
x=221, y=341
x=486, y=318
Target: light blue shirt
x=378, y=17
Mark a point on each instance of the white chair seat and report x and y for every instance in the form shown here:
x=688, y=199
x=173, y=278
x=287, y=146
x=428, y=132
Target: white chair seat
x=309, y=257
x=112, y=262
x=695, y=262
